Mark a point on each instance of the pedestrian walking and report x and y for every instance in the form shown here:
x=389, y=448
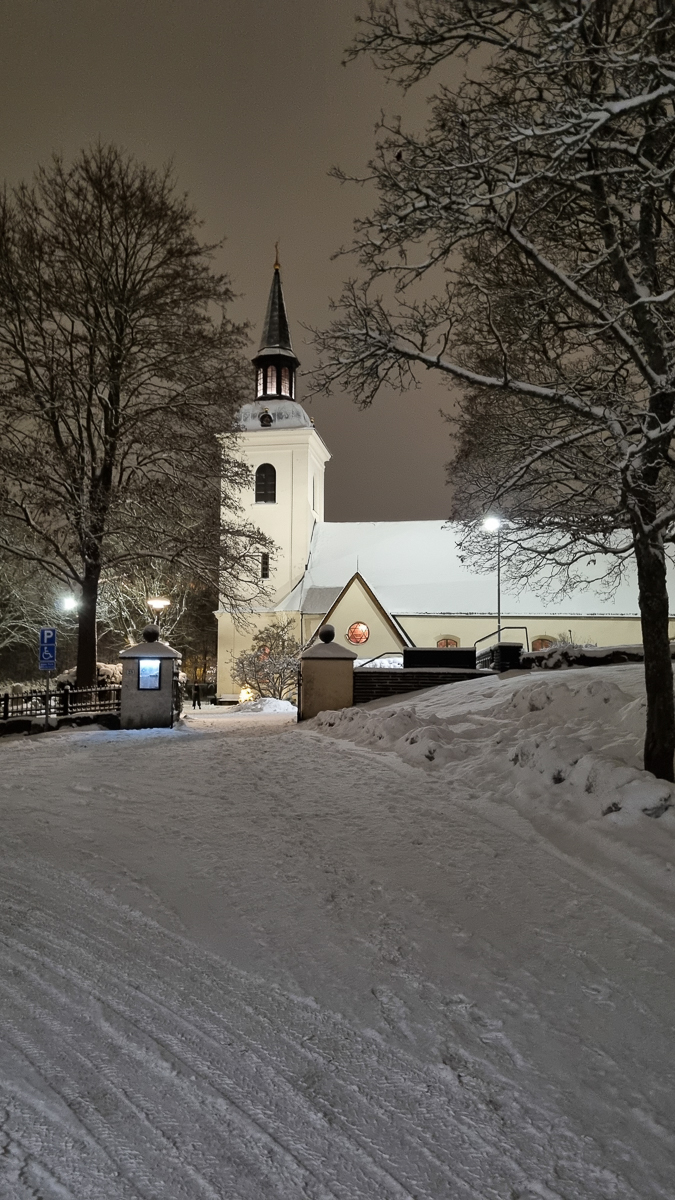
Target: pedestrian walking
x=196, y=696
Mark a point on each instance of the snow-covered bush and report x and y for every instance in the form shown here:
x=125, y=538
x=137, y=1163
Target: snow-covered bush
x=270, y=667
x=107, y=675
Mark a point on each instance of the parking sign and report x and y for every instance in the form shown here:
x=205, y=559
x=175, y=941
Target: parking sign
x=48, y=649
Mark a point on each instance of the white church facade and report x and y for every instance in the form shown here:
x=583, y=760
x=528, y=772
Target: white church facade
x=383, y=585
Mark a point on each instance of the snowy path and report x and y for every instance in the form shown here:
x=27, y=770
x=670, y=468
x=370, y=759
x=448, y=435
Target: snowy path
x=262, y=963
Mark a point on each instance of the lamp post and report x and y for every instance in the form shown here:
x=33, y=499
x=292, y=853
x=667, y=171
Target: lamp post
x=157, y=604
x=494, y=525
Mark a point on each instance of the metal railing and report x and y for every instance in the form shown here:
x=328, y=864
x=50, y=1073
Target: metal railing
x=60, y=702
x=502, y=629
x=385, y=654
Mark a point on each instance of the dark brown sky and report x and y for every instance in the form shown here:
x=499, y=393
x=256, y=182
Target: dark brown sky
x=250, y=100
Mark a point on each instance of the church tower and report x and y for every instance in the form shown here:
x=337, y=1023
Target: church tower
x=287, y=459
x=284, y=451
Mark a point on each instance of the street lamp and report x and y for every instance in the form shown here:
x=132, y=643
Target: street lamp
x=158, y=604
x=68, y=603
x=494, y=525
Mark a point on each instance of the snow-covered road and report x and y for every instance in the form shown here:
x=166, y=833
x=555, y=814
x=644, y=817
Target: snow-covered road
x=248, y=960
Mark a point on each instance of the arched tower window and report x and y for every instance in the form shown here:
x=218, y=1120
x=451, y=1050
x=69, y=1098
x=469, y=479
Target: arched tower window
x=261, y=385
x=266, y=484
x=285, y=381
x=271, y=381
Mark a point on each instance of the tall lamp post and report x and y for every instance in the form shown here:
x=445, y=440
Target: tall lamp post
x=494, y=525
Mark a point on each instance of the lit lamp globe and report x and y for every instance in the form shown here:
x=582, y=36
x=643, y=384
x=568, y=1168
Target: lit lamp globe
x=158, y=604
x=69, y=603
x=491, y=524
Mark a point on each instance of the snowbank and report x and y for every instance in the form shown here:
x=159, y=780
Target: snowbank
x=582, y=656
x=567, y=746
x=386, y=661
x=264, y=704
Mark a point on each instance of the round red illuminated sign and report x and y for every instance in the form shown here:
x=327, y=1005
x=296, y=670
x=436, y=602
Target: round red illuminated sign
x=358, y=633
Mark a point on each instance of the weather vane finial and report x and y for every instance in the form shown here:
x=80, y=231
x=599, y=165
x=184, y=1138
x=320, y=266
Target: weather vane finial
x=277, y=264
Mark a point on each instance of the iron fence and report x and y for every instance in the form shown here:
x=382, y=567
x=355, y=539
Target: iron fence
x=63, y=702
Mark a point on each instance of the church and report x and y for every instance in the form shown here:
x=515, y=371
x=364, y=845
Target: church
x=384, y=585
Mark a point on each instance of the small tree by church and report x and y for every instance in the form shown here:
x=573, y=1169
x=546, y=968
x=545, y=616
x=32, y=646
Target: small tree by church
x=270, y=667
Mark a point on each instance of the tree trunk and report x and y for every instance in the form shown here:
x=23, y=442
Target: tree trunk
x=660, y=736
x=86, y=629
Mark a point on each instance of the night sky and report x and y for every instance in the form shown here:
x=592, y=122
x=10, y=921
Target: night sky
x=250, y=100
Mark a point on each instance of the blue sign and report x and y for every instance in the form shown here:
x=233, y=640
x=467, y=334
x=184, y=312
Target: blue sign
x=48, y=649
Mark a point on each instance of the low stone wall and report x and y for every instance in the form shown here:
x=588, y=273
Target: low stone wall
x=375, y=685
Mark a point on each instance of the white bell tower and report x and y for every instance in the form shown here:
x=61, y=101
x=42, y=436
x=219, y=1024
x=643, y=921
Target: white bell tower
x=287, y=459
x=284, y=451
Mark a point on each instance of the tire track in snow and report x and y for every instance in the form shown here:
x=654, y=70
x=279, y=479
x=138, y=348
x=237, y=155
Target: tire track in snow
x=151, y=1042
x=385, y=1176
x=479, y=1143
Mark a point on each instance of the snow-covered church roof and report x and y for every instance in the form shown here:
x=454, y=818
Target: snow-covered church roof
x=414, y=568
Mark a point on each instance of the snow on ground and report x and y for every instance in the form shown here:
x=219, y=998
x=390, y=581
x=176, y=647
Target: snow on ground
x=563, y=750
x=264, y=704
x=244, y=959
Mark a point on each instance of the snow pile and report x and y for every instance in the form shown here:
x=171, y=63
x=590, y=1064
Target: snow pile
x=582, y=656
x=264, y=704
x=388, y=661
x=567, y=746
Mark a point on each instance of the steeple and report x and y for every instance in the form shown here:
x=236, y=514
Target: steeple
x=275, y=361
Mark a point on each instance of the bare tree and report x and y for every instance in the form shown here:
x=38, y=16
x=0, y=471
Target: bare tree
x=270, y=667
x=123, y=601
x=529, y=236
x=28, y=600
x=188, y=621
x=118, y=371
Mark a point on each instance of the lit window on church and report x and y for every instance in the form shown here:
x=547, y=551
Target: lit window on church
x=447, y=643
x=358, y=633
x=264, y=565
x=271, y=380
x=541, y=643
x=266, y=484
x=285, y=381
x=261, y=385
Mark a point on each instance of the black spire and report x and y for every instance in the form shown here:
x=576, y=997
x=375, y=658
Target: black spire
x=276, y=336
x=275, y=361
